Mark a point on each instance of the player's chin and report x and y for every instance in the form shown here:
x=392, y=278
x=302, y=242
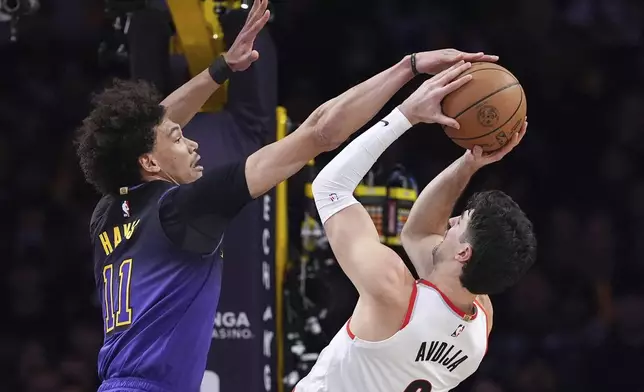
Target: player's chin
x=197, y=172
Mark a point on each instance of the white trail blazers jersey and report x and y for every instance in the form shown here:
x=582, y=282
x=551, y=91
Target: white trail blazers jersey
x=437, y=347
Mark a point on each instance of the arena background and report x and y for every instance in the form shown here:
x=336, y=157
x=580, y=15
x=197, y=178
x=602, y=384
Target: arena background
x=575, y=323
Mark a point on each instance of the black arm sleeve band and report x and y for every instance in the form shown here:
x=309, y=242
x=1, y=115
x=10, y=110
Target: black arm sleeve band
x=219, y=70
x=194, y=216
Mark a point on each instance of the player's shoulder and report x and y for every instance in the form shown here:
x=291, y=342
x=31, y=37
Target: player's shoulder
x=137, y=200
x=100, y=214
x=486, y=303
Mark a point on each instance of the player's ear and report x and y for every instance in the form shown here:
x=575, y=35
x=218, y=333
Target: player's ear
x=149, y=163
x=464, y=253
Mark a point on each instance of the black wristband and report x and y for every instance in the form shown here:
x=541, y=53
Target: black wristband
x=220, y=70
x=413, y=64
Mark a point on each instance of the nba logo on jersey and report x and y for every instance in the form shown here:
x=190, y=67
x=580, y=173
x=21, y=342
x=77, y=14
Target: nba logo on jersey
x=125, y=206
x=458, y=330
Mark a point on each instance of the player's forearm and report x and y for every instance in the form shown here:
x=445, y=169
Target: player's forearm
x=325, y=129
x=432, y=210
x=351, y=110
x=334, y=185
x=182, y=105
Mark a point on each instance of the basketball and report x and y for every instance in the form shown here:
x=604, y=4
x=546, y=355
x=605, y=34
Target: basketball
x=490, y=108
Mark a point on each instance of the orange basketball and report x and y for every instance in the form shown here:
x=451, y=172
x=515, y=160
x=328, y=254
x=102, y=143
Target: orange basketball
x=490, y=108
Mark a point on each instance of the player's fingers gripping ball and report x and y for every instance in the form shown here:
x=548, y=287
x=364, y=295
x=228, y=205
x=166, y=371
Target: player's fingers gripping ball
x=490, y=108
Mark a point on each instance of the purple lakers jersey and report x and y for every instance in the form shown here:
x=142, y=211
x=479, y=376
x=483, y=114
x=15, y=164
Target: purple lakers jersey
x=158, y=300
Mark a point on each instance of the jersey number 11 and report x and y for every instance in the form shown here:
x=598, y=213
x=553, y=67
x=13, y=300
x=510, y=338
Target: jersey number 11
x=116, y=292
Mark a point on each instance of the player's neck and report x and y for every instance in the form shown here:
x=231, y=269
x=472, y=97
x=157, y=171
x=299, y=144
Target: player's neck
x=156, y=177
x=451, y=286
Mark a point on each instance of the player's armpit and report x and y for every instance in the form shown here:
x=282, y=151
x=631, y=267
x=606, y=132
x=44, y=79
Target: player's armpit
x=375, y=270
x=420, y=251
x=486, y=303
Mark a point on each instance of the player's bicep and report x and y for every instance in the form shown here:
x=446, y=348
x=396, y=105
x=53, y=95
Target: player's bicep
x=374, y=269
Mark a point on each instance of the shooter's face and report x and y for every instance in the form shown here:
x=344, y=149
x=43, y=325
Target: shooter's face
x=454, y=246
x=174, y=156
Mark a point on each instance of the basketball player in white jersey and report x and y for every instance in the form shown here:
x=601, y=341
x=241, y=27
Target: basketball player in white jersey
x=430, y=334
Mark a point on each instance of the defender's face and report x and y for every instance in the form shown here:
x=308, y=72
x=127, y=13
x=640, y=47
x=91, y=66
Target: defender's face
x=451, y=247
x=175, y=154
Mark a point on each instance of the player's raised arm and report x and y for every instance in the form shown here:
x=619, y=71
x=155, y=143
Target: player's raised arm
x=430, y=216
x=374, y=269
x=325, y=129
x=182, y=105
x=220, y=193
x=334, y=121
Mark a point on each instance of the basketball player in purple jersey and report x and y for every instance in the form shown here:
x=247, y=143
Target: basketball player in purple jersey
x=157, y=229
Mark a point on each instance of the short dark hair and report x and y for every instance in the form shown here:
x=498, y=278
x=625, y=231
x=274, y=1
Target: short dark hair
x=503, y=243
x=120, y=128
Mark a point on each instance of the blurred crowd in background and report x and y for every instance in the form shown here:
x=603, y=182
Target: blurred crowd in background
x=575, y=322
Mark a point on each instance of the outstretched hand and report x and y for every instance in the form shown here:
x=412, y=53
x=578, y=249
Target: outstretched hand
x=241, y=53
x=436, y=61
x=477, y=158
x=424, y=104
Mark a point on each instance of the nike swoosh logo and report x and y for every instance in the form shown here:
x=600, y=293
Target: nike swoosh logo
x=385, y=122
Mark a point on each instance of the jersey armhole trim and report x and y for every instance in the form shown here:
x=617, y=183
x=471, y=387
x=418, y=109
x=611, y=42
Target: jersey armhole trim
x=410, y=311
x=165, y=194
x=351, y=335
x=410, y=307
x=487, y=325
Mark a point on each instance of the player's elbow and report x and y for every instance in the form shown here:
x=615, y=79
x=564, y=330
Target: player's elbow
x=325, y=128
x=329, y=136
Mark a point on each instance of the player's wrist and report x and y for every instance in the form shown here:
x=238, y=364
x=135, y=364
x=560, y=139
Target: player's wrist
x=407, y=111
x=468, y=166
x=398, y=121
x=410, y=63
x=220, y=71
x=404, y=65
x=413, y=65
